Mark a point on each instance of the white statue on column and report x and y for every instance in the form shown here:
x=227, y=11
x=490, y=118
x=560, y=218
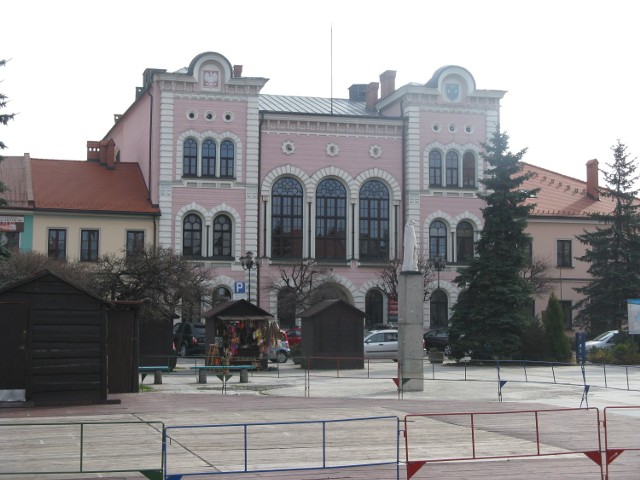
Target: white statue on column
x=410, y=260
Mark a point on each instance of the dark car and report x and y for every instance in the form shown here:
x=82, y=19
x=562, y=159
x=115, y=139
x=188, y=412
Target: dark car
x=437, y=338
x=189, y=338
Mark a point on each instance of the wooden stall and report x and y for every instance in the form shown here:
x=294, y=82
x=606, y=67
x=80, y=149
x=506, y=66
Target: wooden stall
x=238, y=332
x=333, y=335
x=55, y=339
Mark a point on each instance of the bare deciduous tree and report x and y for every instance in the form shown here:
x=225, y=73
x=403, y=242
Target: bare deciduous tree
x=388, y=276
x=22, y=265
x=301, y=285
x=535, y=272
x=167, y=282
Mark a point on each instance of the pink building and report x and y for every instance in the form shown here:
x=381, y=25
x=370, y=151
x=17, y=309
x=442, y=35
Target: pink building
x=563, y=205
x=295, y=178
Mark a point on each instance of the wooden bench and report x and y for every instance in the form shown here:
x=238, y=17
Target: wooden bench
x=157, y=372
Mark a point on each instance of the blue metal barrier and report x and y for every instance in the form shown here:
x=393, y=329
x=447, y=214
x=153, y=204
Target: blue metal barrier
x=281, y=446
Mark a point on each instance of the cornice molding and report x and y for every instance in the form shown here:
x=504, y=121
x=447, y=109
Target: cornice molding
x=334, y=126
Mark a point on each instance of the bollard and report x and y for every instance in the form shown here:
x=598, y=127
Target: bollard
x=202, y=376
x=244, y=376
x=157, y=377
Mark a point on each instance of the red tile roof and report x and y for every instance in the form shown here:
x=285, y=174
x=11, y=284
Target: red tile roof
x=561, y=195
x=89, y=186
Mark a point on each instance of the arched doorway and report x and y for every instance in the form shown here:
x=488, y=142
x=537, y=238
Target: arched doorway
x=286, y=307
x=439, y=309
x=373, y=307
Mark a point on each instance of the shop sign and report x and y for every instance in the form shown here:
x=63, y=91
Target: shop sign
x=11, y=224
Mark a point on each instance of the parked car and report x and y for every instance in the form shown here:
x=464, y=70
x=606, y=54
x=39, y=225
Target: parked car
x=280, y=352
x=295, y=336
x=381, y=344
x=605, y=340
x=437, y=338
x=189, y=338
x=381, y=326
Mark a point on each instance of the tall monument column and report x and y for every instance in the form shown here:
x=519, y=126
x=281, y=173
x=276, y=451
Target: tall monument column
x=410, y=317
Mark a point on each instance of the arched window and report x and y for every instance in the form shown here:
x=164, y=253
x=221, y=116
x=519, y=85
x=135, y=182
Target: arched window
x=220, y=295
x=435, y=168
x=227, y=158
x=331, y=219
x=438, y=240
x=374, y=221
x=208, y=158
x=452, y=168
x=373, y=307
x=222, y=236
x=439, y=309
x=190, y=158
x=192, y=236
x=287, y=301
x=286, y=219
x=468, y=170
x=464, y=240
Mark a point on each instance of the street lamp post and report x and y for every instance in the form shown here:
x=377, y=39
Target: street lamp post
x=249, y=263
x=438, y=264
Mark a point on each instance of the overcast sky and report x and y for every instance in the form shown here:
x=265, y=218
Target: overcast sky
x=570, y=67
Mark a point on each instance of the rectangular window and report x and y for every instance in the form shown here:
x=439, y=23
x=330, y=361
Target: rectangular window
x=135, y=242
x=89, y=245
x=564, y=253
x=567, y=312
x=10, y=240
x=57, y=243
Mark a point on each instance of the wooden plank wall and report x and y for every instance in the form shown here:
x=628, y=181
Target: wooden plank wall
x=66, y=359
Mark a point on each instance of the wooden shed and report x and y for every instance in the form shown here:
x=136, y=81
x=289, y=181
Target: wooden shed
x=332, y=332
x=54, y=337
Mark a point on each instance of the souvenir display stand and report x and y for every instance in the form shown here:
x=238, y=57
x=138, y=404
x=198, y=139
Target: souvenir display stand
x=239, y=333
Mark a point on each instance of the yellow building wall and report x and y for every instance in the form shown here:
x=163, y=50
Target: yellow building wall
x=112, y=231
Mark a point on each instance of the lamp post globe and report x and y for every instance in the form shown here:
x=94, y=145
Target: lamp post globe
x=248, y=262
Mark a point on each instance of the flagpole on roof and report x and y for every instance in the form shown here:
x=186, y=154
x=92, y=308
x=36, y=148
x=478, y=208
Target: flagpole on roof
x=331, y=69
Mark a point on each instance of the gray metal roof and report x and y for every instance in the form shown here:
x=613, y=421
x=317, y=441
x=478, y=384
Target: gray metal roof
x=313, y=105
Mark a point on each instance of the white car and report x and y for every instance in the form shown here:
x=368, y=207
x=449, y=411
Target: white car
x=381, y=344
x=605, y=340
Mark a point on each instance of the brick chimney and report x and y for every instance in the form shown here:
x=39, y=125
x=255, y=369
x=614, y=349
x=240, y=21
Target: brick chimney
x=372, y=95
x=93, y=151
x=108, y=154
x=592, y=179
x=237, y=71
x=387, y=83
x=358, y=92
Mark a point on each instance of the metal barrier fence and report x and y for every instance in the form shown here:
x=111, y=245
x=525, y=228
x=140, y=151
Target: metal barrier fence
x=621, y=377
x=621, y=441
x=496, y=443
x=505, y=435
x=281, y=446
x=81, y=447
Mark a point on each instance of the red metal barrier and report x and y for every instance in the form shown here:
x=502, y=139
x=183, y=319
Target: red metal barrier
x=474, y=436
x=621, y=427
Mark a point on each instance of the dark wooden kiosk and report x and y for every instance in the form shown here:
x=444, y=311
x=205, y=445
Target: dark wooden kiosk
x=55, y=339
x=239, y=332
x=333, y=335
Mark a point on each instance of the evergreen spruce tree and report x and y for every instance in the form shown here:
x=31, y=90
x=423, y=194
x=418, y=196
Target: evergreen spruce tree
x=495, y=299
x=553, y=321
x=612, y=250
x=4, y=119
